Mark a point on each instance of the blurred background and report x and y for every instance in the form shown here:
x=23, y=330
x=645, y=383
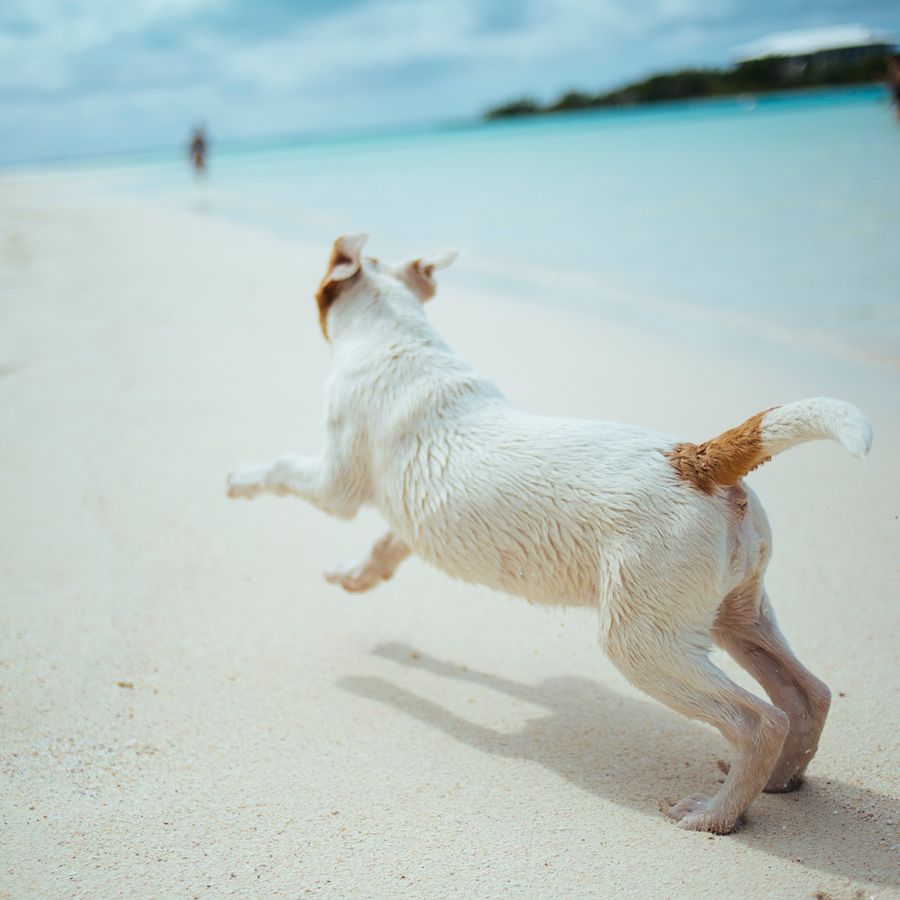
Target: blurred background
x=669, y=212
x=750, y=187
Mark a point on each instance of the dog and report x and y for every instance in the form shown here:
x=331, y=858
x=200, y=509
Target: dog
x=661, y=536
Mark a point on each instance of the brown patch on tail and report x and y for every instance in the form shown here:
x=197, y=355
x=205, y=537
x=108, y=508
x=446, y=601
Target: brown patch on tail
x=329, y=288
x=722, y=461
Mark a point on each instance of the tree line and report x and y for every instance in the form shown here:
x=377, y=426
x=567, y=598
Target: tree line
x=756, y=76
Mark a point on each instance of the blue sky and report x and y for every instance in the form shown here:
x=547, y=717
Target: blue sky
x=98, y=76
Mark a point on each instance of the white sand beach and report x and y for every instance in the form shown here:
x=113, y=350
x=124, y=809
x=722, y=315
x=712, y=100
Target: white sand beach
x=189, y=710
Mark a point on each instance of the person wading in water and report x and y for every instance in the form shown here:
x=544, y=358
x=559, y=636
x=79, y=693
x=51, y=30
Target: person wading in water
x=197, y=151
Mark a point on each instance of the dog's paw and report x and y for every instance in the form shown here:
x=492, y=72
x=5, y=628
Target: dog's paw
x=245, y=482
x=781, y=784
x=698, y=813
x=688, y=806
x=355, y=577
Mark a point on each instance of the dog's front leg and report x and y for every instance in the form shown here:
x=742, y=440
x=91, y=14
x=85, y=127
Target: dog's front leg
x=309, y=478
x=380, y=565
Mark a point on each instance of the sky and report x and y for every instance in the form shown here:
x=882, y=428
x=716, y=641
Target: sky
x=97, y=77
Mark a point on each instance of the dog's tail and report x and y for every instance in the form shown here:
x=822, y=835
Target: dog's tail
x=725, y=459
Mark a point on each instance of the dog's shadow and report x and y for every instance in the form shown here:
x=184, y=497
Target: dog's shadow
x=594, y=737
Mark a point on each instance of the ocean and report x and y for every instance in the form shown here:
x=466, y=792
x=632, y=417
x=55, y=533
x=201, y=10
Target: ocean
x=768, y=219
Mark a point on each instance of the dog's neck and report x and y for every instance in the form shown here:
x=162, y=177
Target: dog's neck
x=381, y=316
x=387, y=331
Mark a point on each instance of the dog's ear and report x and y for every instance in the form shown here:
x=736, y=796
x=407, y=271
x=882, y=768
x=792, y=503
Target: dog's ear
x=418, y=274
x=345, y=257
x=344, y=264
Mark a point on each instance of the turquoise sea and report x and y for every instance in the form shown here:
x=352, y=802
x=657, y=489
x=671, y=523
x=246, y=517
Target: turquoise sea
x=776, y=218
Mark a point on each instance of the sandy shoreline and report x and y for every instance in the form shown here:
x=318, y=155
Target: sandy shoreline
x=189, y=710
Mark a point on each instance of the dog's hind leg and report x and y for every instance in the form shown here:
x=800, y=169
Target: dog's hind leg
x=673, y=666
x=745, y=626
x=380, y=565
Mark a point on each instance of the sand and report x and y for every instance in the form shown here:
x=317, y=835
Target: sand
x=188, y=709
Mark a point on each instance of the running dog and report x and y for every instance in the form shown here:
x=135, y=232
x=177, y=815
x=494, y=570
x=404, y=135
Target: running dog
x=661, y=536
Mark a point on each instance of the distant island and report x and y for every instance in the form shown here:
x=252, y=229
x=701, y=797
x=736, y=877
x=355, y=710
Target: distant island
x=757, y=76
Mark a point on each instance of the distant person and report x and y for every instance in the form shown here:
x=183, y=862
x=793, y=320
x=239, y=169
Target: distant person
x=893, y=81
x=197, y=150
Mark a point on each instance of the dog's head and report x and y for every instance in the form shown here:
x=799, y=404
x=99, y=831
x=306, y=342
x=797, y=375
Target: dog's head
x=350, y=274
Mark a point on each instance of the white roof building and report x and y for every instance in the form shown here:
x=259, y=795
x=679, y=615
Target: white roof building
x=812, y=40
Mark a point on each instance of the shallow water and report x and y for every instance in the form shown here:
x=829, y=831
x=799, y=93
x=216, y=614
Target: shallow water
x=773, y=219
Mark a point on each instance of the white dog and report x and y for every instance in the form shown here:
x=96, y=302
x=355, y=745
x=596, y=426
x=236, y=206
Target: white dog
x=661, y=536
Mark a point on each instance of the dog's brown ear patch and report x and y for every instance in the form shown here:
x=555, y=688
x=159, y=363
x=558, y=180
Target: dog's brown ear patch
x=343, y=265
x=724, y=460
x=418, y=274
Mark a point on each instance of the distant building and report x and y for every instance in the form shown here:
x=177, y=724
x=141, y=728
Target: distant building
x=817, y=47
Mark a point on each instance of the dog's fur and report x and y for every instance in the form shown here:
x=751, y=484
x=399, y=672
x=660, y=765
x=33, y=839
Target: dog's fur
x=661, y=536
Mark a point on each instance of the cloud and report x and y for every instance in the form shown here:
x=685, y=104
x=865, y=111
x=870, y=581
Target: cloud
x=142, y=70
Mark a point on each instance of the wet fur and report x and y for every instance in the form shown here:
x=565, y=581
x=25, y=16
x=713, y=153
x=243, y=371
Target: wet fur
x=659, y=535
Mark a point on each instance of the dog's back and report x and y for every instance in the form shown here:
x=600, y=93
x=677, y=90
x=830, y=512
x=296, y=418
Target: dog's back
x=529, y=505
